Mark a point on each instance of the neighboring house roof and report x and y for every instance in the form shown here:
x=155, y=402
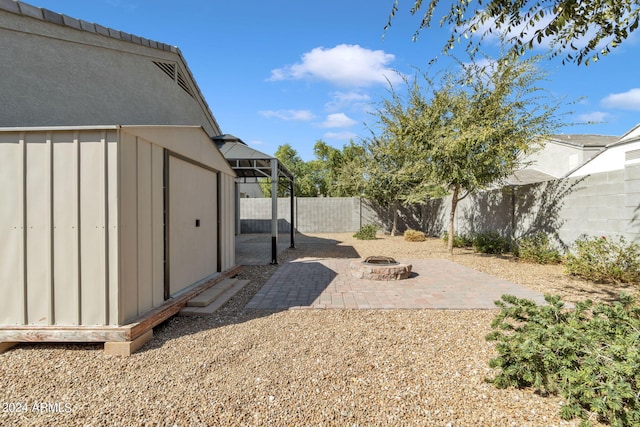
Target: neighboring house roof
x=527, y=176
x=169, y=60
x=584, y=141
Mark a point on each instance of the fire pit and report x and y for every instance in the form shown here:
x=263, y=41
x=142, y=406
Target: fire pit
x=380, y=268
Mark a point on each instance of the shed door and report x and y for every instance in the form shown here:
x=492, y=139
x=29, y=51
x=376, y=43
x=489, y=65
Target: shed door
x=192, y=224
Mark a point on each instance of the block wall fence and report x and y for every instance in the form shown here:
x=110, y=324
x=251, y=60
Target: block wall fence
x=604, y=204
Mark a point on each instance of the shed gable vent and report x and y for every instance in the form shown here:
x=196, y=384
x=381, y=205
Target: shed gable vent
x=176, y=75
x=632, y=155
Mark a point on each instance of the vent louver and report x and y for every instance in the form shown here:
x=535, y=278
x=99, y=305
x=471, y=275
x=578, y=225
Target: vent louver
x=171, y=70
x=632, y=155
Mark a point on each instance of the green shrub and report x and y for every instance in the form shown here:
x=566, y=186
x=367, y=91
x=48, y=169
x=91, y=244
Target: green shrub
x=366, y=232
x=589, y=355
x=490, y=243
x=459, y=240
x=538, y=249
x=605, y=260
x=414, y=236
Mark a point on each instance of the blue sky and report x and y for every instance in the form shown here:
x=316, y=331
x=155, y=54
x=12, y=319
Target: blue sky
x=294, y=72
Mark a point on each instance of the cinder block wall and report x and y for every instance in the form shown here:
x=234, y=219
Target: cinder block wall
x=606, y=204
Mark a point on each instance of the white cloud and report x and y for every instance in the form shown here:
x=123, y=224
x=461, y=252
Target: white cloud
x=341, y=100
x=346, y=135
x=595, y=116
x=289, y=115
x=629, y=100
x=343, y=65
x=256, y=142
x=338, y=120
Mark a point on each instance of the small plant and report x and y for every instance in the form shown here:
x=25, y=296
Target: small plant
x=605, y=260
x=538, y=249
x=589, y=355
x=414, y=236
x=490, y=243
x=459, y=240
x=366, y=232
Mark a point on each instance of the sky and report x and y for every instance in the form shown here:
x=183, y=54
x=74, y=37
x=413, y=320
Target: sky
x=294, y=72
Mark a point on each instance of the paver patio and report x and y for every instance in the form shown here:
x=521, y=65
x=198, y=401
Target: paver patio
x=323, y=283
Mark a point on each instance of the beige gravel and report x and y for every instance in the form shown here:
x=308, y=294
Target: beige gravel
x=299, y=367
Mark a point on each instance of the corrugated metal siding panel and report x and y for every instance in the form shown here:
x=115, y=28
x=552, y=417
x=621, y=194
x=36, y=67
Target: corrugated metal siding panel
x=128, y=255
x=93, y=269
x=145, y=227
x=12, y=229
x=157, y=219
x=142, y=226
x=227, y=228
x=38, y=225
x=65, y=229
x=55, y=268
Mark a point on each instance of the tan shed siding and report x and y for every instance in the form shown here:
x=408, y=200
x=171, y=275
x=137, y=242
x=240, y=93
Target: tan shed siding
x=55, y=269
x=145, y=227
x=192, y=248
x=142, y=232
x=65, y=228
x=113, y=223
x=38, y=239
x=227, y=221
x=12, y=232
x=93, y=271
x=157, y=218
x=128, y=254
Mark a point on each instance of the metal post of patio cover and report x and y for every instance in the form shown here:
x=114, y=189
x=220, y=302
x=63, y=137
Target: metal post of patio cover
x=274, y=211
x=293, y=224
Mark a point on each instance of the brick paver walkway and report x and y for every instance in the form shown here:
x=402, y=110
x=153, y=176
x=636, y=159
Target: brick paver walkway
x=315, y=283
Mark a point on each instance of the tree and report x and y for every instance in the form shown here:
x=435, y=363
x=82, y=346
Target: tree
x=388, y=173
x=568, y=26
x=475, y=126
x=329, y=175
x=304, y=184
x=334, y=168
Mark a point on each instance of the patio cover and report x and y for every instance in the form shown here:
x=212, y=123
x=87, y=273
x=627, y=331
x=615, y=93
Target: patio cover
x=250, y=163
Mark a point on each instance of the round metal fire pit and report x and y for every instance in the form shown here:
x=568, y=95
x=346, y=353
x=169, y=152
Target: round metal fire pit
x=380, y=268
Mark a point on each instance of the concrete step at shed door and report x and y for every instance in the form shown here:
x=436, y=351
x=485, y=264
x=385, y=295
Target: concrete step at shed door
x=213, y=298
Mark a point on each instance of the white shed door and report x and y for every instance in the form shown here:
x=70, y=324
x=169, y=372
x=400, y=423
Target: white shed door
x=192, y=224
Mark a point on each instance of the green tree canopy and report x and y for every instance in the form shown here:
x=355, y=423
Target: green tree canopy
x=575, y=28
x=470, y=129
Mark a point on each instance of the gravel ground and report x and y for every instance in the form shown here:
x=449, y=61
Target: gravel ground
x=298, y=367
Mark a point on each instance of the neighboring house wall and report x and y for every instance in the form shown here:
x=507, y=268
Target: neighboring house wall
x=73, y=73
x=559, y=159
x=614, y=158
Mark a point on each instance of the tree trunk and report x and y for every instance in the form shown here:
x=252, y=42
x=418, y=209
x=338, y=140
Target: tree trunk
x=394, y=226
x=452, y=215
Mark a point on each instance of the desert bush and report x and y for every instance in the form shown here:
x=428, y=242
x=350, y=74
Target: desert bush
x=366, y=232
x=490, y=243
x=589, y=355
x=414, y=236
x=603, y=259
x=459, y=240
x=537, y=248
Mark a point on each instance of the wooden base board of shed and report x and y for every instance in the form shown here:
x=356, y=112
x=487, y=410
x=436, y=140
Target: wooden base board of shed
x=120, y=340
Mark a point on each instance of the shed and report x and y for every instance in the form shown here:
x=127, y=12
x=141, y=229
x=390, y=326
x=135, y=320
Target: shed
x=106, y=231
